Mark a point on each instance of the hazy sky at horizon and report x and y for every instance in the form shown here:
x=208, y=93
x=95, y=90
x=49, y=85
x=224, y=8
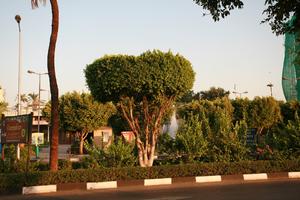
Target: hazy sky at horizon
x=236, y=50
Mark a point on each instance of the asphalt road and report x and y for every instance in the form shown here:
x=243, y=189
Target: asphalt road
x=273, y=190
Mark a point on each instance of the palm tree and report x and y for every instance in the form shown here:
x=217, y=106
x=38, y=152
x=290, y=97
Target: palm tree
x=3, y=107
x=24, y=99
x=34, y=101
x=53, y=83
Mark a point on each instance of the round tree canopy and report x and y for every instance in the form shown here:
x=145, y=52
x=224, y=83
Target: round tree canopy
x=151, y=74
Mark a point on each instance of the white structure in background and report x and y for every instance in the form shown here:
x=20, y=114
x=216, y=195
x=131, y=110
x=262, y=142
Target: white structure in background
x=2, y=99
x=172, y=127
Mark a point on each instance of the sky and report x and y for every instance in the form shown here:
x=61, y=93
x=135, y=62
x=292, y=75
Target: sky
x=237, y=51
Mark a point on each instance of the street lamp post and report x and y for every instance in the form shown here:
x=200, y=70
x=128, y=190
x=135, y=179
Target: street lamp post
x=18, y=19
x=39, y=103
x=240, y=93
x=48, y=130
x=271, y=86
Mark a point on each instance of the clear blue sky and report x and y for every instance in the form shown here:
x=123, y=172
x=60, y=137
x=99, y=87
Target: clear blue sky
x=236, y=50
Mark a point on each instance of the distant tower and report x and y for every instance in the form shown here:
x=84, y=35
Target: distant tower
x=1, y=95
x=291, y=66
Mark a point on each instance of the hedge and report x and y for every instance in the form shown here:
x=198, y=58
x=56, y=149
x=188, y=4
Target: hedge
x=14, y=182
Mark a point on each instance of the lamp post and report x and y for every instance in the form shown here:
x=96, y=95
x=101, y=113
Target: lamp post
x=39, y=104
x=240, y=93
x=271, y=86
x=48, y=130
x=18, y=20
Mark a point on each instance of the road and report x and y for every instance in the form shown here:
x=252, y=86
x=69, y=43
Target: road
x=273, y=190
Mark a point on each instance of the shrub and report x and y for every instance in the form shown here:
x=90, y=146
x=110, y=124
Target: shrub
x=64, y=164
x=14, y=182
x=118, y=154
x=190, y=138
x=226, y=140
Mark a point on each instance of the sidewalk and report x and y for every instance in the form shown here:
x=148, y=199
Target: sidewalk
x=63, y=153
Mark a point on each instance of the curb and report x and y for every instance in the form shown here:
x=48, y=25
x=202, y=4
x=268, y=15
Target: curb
x=154, y=182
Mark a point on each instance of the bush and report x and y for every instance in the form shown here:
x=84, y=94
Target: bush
x=14, y=182
x=11, y=165
x=225, y=140
x=64, y=164
x=285, y=141
x=190, y=139
x=118, y=154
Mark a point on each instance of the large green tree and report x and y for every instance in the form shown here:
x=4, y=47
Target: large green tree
x=219, y=8
x=277, y=12
x=214, y=93
x=263, y=112
x=53, y=83
x=145, y=87
x=81, y=114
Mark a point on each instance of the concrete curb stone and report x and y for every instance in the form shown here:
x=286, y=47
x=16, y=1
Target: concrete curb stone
x=155, y=182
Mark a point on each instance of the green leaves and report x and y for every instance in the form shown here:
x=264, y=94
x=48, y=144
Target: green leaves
x=219, y=8
x=152, y=74
x=190, y=138
x=225, y=140
x=118, y=154
x=81, y=113
x=214, y=93
x=278, y=12
x=263, y=112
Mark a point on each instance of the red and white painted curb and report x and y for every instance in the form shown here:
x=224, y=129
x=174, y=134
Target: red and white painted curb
x=159, y=181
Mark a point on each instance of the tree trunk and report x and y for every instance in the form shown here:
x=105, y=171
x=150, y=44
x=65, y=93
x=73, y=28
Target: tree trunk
x=82, y=137
x=53, y=87
x=151, y=126
x=259, y=134
x=81, y=146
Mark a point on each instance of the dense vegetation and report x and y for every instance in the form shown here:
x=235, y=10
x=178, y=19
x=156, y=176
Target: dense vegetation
x=213, y=138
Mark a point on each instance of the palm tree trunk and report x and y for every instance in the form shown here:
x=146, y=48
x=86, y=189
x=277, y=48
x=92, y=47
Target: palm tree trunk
x=53, y=87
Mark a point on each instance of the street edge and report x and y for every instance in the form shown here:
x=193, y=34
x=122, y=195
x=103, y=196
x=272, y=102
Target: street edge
x=154, y=182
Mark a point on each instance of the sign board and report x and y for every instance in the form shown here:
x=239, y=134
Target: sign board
x=16, y=129
x=37, y=138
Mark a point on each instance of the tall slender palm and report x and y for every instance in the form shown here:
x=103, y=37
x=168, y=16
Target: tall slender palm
x=33, y=100
x=53, y=83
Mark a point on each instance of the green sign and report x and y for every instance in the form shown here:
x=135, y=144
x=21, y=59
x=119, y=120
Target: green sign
x=16, y=129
